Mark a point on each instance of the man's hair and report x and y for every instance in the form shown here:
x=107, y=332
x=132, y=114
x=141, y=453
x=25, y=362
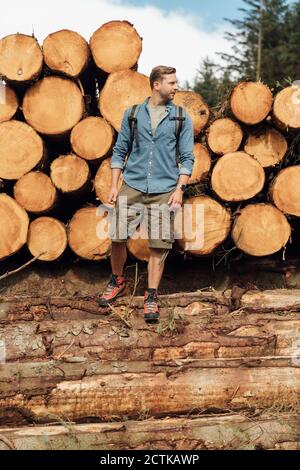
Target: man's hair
x=159, y=72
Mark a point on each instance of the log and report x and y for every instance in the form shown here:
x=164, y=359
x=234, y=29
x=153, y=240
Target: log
x=84, y=390
x=122, y=90
x=260, y=230
x=67, y=52
x=88, y=234
x=202, y=164
x=70, y=174
x=138, y=244
x=219, y=432
x=268, y=148
x=102, y=182
x=224, y=136
x=202, y=225
x=196, y=107
x=116, y=46
x=21, y=149
x=53, y=106
x=13, y=227
x=92, y=138
x=9, y=102
x=251, y=102
x=286, y=113
x=237, y=177
x=285, y=190
x=47, y=238
x=35, y=192
x=21, y=58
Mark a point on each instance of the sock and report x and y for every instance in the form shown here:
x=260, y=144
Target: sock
x=120, y=279
x=151, y=289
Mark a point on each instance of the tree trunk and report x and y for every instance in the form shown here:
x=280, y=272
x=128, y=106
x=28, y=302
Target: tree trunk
x=237, y=177
x=116, y=46
x=53, y=106
x=88, y=234
x=202, y=225
x=92, y=138
x=260, y=230
x=67, y=52
x=286, y=109
x=251, y=102
x=9, y=102
x=47, y=238
x=224, y=136
x=102, y=181
x=268, y=148
x=21, y=149
x=21, y=58
x=13, y=227
x=285, y=190
x=122, y=90
x=196, y=108
x=202, y=164
x=35, y=192
x=70, y=174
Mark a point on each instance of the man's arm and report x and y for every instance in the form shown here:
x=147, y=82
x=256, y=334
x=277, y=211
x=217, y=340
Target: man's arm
x=186, y=147
x=122, y=144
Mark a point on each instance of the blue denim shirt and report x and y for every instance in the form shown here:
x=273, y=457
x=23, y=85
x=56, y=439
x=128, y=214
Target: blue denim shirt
x=152, y=168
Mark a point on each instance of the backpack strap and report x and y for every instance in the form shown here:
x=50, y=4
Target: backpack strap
x=179, y=118
x=132, y=118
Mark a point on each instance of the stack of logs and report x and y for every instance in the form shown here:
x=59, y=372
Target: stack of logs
x=221, y=370
x=61, y=106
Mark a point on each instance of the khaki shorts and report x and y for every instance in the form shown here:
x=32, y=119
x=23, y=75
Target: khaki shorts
x=151, y=211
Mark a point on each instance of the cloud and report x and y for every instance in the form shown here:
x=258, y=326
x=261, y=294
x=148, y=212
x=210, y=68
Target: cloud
x=173, y=38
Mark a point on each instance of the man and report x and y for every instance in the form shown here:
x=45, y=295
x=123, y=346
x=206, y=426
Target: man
x=151, y=180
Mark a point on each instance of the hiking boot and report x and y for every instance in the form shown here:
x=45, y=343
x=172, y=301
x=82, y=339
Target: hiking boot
x=115, y=288
x=151, y=311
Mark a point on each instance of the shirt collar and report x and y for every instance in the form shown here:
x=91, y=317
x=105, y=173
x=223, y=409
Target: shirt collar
x=169, y=104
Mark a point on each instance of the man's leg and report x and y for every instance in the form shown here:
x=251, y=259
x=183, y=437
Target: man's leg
x=118, y=257
x=156, y=266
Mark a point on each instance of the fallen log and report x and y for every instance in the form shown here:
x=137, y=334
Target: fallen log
x=70, y=174
x=224, y=136
x=286, y=114
x=47, y=238
x=202, y=164
x=251, y=102
x=9, y=102
x=13, y=227
x=268, y=147
x=284, y=190
x=196, y=107
x=35, y=192
x=223, y=432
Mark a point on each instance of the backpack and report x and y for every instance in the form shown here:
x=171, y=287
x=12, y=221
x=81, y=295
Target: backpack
x=132, y=118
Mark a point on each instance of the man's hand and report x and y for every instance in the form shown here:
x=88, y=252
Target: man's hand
x=175, y=200
x=113, y=193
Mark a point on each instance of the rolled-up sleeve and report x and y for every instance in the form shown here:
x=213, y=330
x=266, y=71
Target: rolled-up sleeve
x=122, y=144
x=186, y=147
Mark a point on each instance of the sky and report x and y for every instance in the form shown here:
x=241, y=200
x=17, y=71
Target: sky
x=175, y=33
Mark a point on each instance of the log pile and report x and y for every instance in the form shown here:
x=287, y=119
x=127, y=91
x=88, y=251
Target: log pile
x=220, y=370
x=61, y=108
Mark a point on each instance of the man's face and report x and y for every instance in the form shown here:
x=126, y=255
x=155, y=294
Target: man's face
x=167, y=87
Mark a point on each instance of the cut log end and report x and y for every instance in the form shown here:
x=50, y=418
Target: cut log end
x=116, y=46
x=8, y=102
x=202, y=225
x=47, y=238
x=69, y=173
x=92, y=138
x=202, y=164
x=88, y=234
x=237, y=177
x=21, y=58
x=224, y=136
x=67, y=52
x=53, y=105
x=102, y=181
x=35, y=192
x=21, y=149
x=285, y=190
x=122, y=90
x=268, y=147
x=13, y=227
x=286, y=109
x=196, y=107
x=251, y=102
x=261, y=230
